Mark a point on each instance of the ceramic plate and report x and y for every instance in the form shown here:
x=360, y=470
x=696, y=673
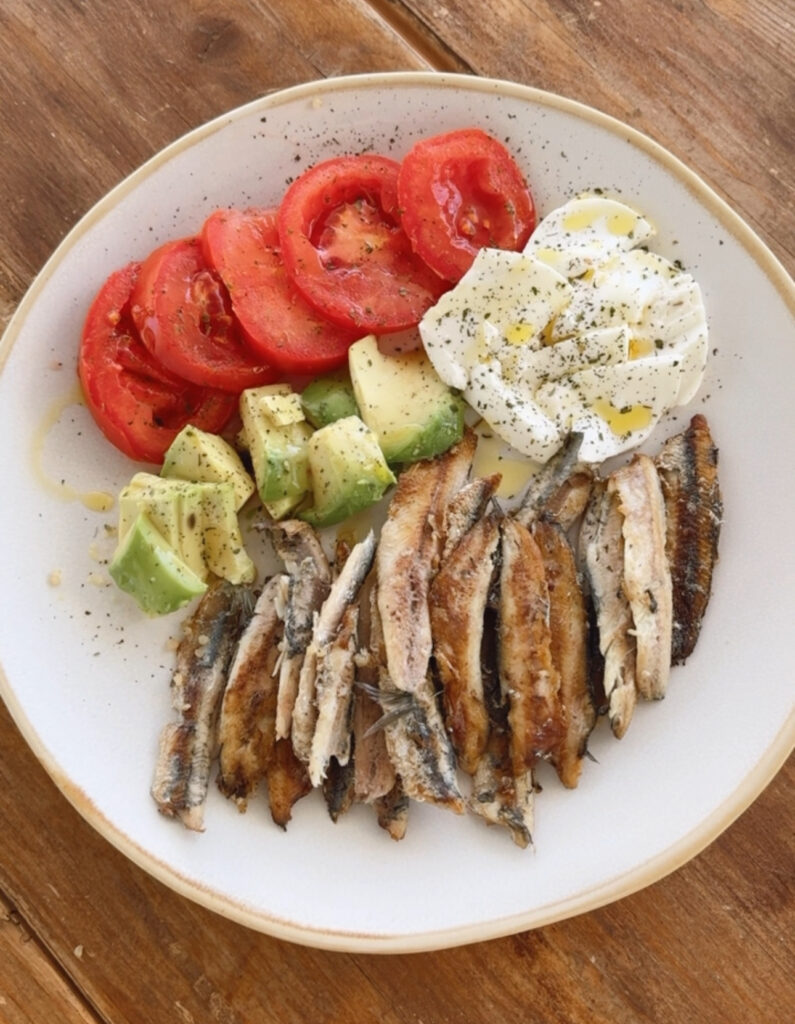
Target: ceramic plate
x=87, y=678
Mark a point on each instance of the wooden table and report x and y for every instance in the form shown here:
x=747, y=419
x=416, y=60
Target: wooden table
x=90, y=90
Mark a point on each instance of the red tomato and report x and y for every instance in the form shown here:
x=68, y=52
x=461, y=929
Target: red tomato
x=460, y=192
x=277, y=322
x=138, y=404
x=345, y=250
x=184, y=317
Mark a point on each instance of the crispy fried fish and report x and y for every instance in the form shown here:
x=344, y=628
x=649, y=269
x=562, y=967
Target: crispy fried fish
x=688, y=469
x=247, y=724
x=528, y=675
x=309, y=573
x=343, y=593
x=187, y=747
x=601, y=546
x=465, y=508
x=408, y=554
x=568, y=627
x=458, y=597
x=335, y=672
x=288, y=781
x=544, y=488
x=647, y=577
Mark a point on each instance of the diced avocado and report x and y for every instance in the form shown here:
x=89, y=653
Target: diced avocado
x=198, y=456
x=413, y=413
x=328, y=399
x=198, y=519
x=277, y=449
x=348, y=471
x=148, y=568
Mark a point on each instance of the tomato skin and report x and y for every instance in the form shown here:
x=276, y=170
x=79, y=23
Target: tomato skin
x=459, y=192
x=138, y=404
x=344, y=248
x=184, y=317
x=277, y=322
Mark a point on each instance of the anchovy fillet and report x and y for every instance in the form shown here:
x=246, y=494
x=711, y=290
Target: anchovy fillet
x=188, y=746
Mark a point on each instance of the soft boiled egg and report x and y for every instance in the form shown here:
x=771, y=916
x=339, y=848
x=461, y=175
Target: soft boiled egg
x=582, y=331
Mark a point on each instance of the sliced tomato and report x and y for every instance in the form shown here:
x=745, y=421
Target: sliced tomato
x=184, y=317
x=277, y=322
x=460, y=192
x=344, y=248
x=138, y=404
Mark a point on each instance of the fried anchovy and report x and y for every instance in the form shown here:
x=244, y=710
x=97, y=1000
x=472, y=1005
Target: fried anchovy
x=246, y=729
x=465, y=509
x=568, y=627
x=647, y=577
x=408, y=556
x=688, y=469
x=602, y=553
x=528, y=676
x=458, y=598
x=550, y=477
x=298, y=546
x=393, y=811
x=343, y=592
x=188, y=746
x=288, y=781
x=338, y=787
x=334, y=678
x=567, y=502
x=499, y=795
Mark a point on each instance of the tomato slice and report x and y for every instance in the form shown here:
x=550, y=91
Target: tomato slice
x=460, y=192
x=137, y=403
x=184, y=317
x=277, y=322
x=344, y=248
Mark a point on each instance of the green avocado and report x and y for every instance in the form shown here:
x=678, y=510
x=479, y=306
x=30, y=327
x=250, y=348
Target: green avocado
x=197, y=519
x=148, y=568
x=198, y=456
x=328, y=399
x=275, y=432
x=347, y=469
x=412, y=412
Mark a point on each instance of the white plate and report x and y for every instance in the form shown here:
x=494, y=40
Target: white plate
x=86, y=678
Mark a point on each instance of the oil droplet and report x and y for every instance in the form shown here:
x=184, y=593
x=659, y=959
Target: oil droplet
x=491, y=457
x=581, y=217
x=623, y=421
x=622, y=222
x=640, y=347
x=518, y=334
x=97, y=501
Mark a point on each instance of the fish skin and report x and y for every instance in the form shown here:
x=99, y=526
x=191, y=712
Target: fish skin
x=187, y=747
x=688, y=470
x=568, y=626
x=601, y=545
x=246, y=729
x=288, y=781
x=529, y=678
x=343, y=592
x=544, y=484
x=568, y=501
x=392, y=810
x=647, y=576
x=408, y=555
x=338, y=788
x=464, y=510
x=334, y=680
x=299, y=548
x=459, y=595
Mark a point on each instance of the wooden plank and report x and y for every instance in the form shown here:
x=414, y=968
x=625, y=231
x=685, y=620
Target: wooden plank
x=85, y=123
x=721, y=99
x=32, y=987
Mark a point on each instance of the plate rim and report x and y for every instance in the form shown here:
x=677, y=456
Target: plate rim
x=340, y=940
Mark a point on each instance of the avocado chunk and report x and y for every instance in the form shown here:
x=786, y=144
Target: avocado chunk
x=275, y=432
x=148, y=568
x=348, y=471
x=328, y=399
x=197, y=519
x=412, y=412
x=198, y=456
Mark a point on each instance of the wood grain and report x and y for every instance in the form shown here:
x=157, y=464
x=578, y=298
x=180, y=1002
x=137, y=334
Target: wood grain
x=88, y=91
